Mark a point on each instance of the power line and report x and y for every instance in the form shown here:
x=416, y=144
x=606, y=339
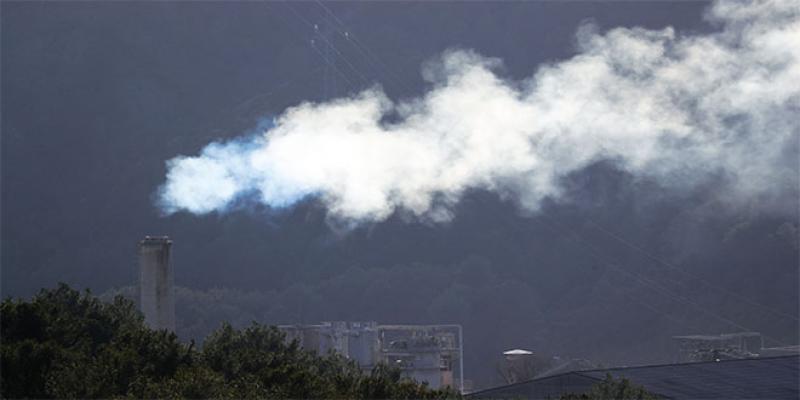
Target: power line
x=658, y=287
x=286, y=83
x=619, y=290
x=329, y=62
x=344, y=58
x=330, y=46
x=332, y=65
x=361, y=48
x=680, y=270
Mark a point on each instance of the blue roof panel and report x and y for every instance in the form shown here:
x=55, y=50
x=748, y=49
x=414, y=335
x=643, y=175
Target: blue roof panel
x=755, y=378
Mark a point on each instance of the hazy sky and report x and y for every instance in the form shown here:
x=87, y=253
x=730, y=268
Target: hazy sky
x=98, y=96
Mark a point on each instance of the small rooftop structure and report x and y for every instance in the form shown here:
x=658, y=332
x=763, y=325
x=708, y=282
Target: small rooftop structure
x=517, y=352
x=754, y=378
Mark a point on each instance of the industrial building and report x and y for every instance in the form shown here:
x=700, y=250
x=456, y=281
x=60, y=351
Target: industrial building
x=713, y=347
x=156, y=291
x=425, y=353
x=754, y=378
x=356, y=340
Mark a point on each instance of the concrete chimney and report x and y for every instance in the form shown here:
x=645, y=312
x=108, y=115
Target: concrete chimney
x=157, y=296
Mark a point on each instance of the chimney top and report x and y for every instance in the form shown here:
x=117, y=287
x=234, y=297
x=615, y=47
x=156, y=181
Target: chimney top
x=155, y=241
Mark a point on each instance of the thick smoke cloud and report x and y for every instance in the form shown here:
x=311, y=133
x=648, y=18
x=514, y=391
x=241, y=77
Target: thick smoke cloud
x=677, y=108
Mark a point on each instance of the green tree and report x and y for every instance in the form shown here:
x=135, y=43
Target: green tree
x=69, y=344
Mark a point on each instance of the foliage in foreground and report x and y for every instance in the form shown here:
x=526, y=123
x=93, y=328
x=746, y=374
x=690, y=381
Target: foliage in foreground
x=67, y=344
x=611, y=389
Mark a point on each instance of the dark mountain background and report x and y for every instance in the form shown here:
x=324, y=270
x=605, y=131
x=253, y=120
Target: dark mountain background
x=97, y=96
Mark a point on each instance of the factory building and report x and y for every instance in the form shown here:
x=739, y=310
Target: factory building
x=713, y=347
x=156, y=292
x=726, y=346
x=425, y=353
x=356, y=340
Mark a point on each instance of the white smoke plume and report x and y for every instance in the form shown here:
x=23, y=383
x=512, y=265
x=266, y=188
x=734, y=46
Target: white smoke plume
x=663, y=105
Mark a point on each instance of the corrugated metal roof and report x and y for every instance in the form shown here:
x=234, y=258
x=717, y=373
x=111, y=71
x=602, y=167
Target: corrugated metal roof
x=551, y=387
x=755, y=378
x=720, y=336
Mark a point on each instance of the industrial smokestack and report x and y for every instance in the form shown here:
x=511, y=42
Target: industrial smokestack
x=157, y=296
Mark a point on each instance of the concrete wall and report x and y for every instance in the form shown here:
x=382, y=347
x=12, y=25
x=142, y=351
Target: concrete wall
x=363, y=346
x=426, y=368
x=156, y=292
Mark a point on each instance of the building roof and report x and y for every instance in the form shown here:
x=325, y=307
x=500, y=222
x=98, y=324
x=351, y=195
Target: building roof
x=719, y=337
x=779, y=351
x=516, y=352
x=573, y=364
x=753, y=378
